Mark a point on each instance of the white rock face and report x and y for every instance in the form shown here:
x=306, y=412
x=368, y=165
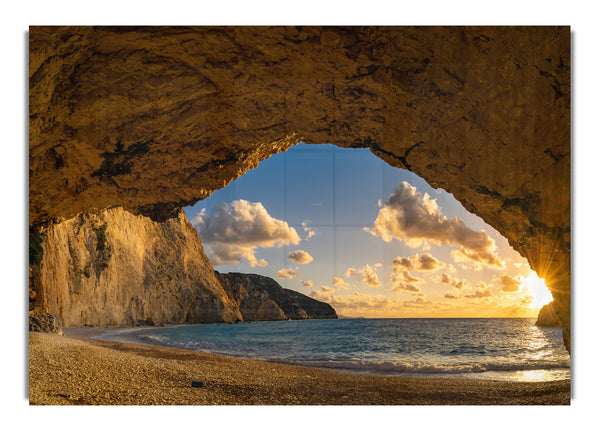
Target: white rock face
x=113, y=268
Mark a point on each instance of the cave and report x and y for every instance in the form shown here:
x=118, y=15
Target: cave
x=153, y=119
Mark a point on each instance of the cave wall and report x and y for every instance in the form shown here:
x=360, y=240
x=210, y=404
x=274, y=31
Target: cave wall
x=155, y=118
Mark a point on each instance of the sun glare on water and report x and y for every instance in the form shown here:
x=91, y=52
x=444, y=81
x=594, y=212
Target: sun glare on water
x=536, y=288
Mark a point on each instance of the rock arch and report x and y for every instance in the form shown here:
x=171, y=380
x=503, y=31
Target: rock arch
x=157, y=118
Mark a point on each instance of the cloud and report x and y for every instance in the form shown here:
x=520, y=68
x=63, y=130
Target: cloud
x=416, y=219
x=462, y=256
x=310, y=232
x=402, y=280
x=447, y=279
x=354, y=302
x=479, y=294
x=306, y=283
x=287, y=273
x=454, y=282
x=509, y=284
x=326, y=289
x=526, y=301
x=233, y=232
x=300, y=256
x=406, y=276
x=400, y=287
x=424, y=262
x=368, y=275
x=359, y=304
x=418, y=303
x=339, y=282
x=459, y=285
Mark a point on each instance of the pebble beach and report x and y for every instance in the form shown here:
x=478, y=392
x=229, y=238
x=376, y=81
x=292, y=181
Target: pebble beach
x=74, y=369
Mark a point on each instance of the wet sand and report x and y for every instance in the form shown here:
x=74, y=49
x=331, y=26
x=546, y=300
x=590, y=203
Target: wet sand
x=75, y=369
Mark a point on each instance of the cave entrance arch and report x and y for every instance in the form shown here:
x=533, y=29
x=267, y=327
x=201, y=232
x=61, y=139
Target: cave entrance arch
x=154, y=119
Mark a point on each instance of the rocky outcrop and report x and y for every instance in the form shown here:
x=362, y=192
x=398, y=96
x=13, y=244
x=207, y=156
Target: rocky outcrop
x=154, y=119
x=548, y=315
x=40, y=321
x=313, y=308
x=269, y=310
x=262, y=298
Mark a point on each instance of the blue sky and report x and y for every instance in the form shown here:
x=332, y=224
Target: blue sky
x=337, y=193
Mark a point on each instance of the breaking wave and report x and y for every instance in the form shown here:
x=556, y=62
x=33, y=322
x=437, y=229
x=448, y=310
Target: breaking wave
x=513, y=349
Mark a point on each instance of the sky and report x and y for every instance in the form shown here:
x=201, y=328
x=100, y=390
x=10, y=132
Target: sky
x=344, y=227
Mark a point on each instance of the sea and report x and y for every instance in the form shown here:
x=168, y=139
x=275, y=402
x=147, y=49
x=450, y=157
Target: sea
x=511, y=349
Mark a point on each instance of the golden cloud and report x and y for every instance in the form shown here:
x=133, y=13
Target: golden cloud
x=368, y=275
x=233, y=232
x=423, y=262
x=300, y=256
x=417, y=220
x=509, y=284
x=287, y=273
x=339, y=282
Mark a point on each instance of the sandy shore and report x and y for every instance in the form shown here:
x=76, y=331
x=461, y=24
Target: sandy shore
x=75, y=369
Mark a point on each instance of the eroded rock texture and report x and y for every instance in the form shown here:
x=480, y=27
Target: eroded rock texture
x=157, y=118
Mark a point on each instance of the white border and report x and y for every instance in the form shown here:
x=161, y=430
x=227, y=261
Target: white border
x=18, y=16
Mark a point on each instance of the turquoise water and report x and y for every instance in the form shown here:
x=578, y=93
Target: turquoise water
x=504, y=349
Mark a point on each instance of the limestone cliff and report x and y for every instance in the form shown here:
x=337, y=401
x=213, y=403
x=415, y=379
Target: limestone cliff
x=262, y=298
x=156, y=118
x=114, y=268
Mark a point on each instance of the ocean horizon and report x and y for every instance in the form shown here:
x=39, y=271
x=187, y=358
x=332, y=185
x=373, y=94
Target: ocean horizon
x=508, y=349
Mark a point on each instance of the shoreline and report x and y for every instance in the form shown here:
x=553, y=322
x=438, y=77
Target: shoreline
x=76, y=369
x=127, y=335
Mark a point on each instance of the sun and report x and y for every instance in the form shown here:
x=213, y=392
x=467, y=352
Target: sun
x=535, y=287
